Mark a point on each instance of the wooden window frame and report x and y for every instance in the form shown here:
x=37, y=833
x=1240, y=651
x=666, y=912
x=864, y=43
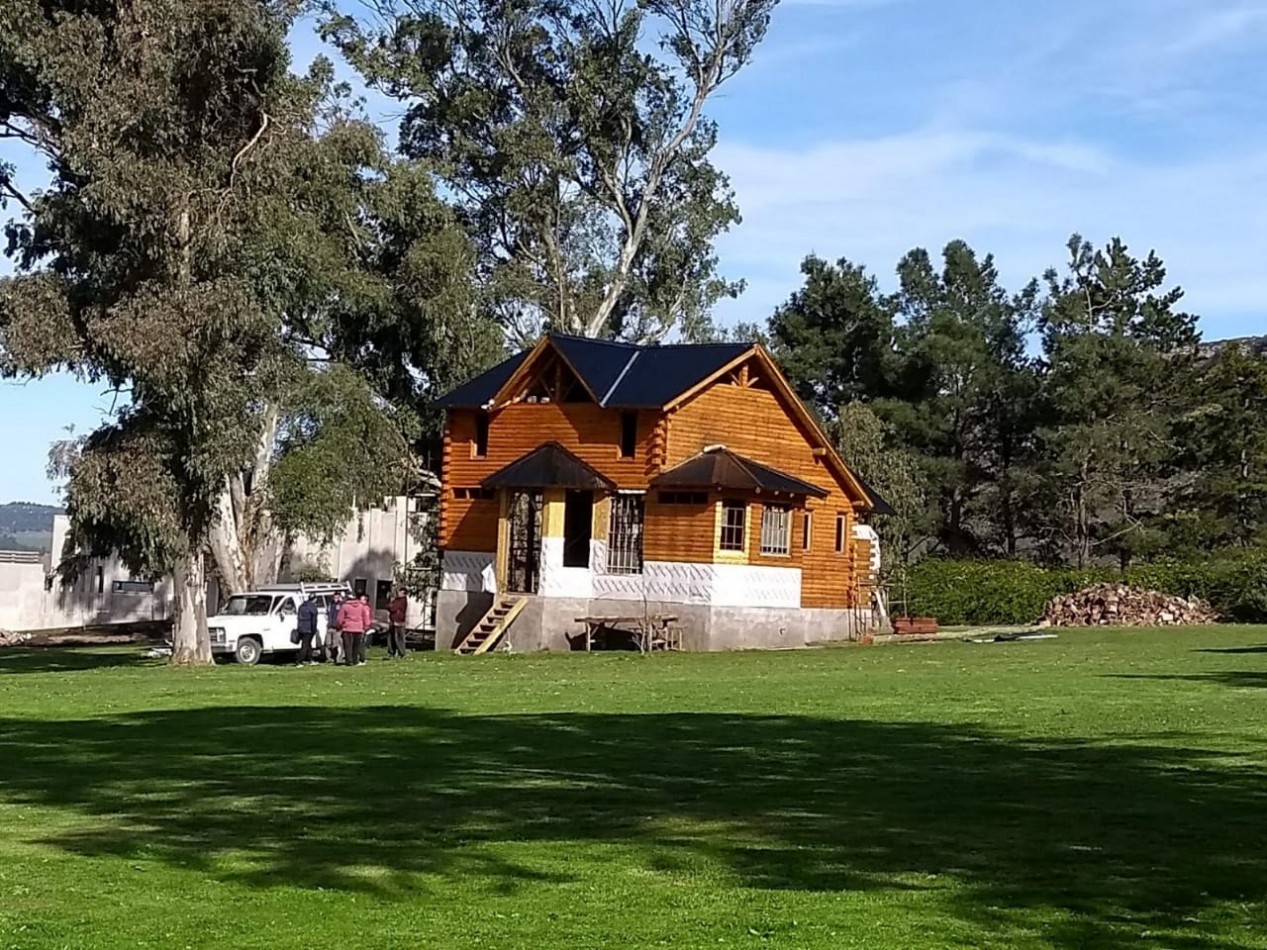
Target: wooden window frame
x=807, y=531
x=842, y=527
x=732, y=545
x=625, y=534
x=475, y=494
x=776, y=520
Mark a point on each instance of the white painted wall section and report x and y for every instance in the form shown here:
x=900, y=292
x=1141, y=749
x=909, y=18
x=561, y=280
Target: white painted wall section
x=717, y=585
x=471, y=571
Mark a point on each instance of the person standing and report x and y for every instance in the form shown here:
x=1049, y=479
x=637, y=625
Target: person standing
x=306, y=623
x=355, y=618
x=398, y=614
x=333, y=635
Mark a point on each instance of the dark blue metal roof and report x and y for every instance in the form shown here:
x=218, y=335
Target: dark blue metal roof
x=658, y=374
x=878, y=505
x=599, y=363
x=620, y=375
x=474, y=393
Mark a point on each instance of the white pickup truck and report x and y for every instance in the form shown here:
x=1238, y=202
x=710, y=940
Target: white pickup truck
x=261, y=621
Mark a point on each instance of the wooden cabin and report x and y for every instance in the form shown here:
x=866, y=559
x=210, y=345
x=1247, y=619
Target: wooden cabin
x=587, y=478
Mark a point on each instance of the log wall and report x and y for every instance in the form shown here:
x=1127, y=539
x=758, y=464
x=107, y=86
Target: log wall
x=753, y=422
x=748, y=419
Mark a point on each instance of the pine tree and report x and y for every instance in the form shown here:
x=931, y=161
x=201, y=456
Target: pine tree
x=1117, y=354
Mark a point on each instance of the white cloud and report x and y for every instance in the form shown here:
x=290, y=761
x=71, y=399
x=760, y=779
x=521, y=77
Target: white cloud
x=1136, y=118
x=872, y=200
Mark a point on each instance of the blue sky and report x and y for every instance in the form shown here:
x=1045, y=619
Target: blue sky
x=867, y=127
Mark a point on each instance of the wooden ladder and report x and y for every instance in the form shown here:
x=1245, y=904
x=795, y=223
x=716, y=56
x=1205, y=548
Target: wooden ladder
x=493, y=626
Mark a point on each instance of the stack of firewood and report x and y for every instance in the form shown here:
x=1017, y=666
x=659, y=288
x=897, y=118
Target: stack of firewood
x=1118, y=605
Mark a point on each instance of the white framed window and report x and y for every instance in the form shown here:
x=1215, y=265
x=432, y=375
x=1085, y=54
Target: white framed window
x=776, y=530
x=734, y=515
x=624, y=535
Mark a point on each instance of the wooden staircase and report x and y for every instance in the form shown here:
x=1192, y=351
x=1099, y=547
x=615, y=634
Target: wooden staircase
x=493, y=626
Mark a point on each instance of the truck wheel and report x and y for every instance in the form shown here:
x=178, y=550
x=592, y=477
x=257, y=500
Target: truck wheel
x=248, y=651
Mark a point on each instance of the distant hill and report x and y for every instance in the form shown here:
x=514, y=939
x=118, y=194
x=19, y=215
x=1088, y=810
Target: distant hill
x=25, y=526
x=1254, y=345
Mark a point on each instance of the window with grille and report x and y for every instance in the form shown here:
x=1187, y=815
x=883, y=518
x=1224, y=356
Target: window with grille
x=733, y=515
x=776, y=529
x=624, y=535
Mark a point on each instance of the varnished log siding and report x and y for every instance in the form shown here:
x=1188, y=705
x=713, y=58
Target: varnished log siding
x=748, y=420
x=752, y=421
x=586, y=430
x=682, y=533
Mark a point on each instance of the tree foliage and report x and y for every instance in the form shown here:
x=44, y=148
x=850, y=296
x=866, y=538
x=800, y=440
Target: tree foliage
x=1116, y=351
x=834, y=336
x=579, y=157
x=204, y=223
x=1069, y=421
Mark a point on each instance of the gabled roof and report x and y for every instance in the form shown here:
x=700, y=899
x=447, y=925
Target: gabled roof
x=619, y=375
x=631, y=376
x=549, y=466
x=720, y=468
x=656, y=375
x=474, y=393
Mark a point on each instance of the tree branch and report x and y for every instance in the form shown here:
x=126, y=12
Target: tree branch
x=7, y=187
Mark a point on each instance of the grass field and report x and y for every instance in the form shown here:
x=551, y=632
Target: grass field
x=1106, y=789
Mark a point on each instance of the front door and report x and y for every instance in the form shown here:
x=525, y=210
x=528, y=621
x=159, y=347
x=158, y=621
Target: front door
x=523, y=565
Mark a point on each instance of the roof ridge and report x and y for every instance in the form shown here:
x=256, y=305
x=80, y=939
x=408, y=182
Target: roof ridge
x=641, y=347
x=594, y=339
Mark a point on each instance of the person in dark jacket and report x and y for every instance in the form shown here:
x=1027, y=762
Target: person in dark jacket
x=397, y=613
x=333, y=637
x=309, y=614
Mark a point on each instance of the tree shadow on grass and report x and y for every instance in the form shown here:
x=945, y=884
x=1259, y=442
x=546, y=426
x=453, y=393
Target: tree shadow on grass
x=1242, y=679
x=1100, y=837
x=59, y=659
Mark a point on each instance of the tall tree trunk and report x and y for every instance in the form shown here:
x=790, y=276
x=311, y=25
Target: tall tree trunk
x=1009, y=518
x=191, y=642
x=244, y=542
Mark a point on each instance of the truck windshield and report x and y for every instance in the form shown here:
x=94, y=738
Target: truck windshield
x=248, y=605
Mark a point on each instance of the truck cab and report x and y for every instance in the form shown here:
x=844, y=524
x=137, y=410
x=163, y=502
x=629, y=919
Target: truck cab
x=258, y=622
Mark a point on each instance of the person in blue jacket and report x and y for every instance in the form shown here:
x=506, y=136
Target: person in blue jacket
x=309, y=614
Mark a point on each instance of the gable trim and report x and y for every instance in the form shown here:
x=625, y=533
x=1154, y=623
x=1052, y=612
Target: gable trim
x=711, y=378
x=517, y=378
x=817, y=437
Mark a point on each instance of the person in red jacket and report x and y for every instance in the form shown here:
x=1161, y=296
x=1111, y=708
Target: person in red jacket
x=355, y=618
x=397, y=613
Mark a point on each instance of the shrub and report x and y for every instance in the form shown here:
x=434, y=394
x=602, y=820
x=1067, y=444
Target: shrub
x=981, y=593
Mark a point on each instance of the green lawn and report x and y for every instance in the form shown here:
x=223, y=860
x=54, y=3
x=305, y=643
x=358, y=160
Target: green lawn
x=1106, y=789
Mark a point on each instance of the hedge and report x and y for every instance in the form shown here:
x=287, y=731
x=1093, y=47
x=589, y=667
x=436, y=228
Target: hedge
x=980, y=593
